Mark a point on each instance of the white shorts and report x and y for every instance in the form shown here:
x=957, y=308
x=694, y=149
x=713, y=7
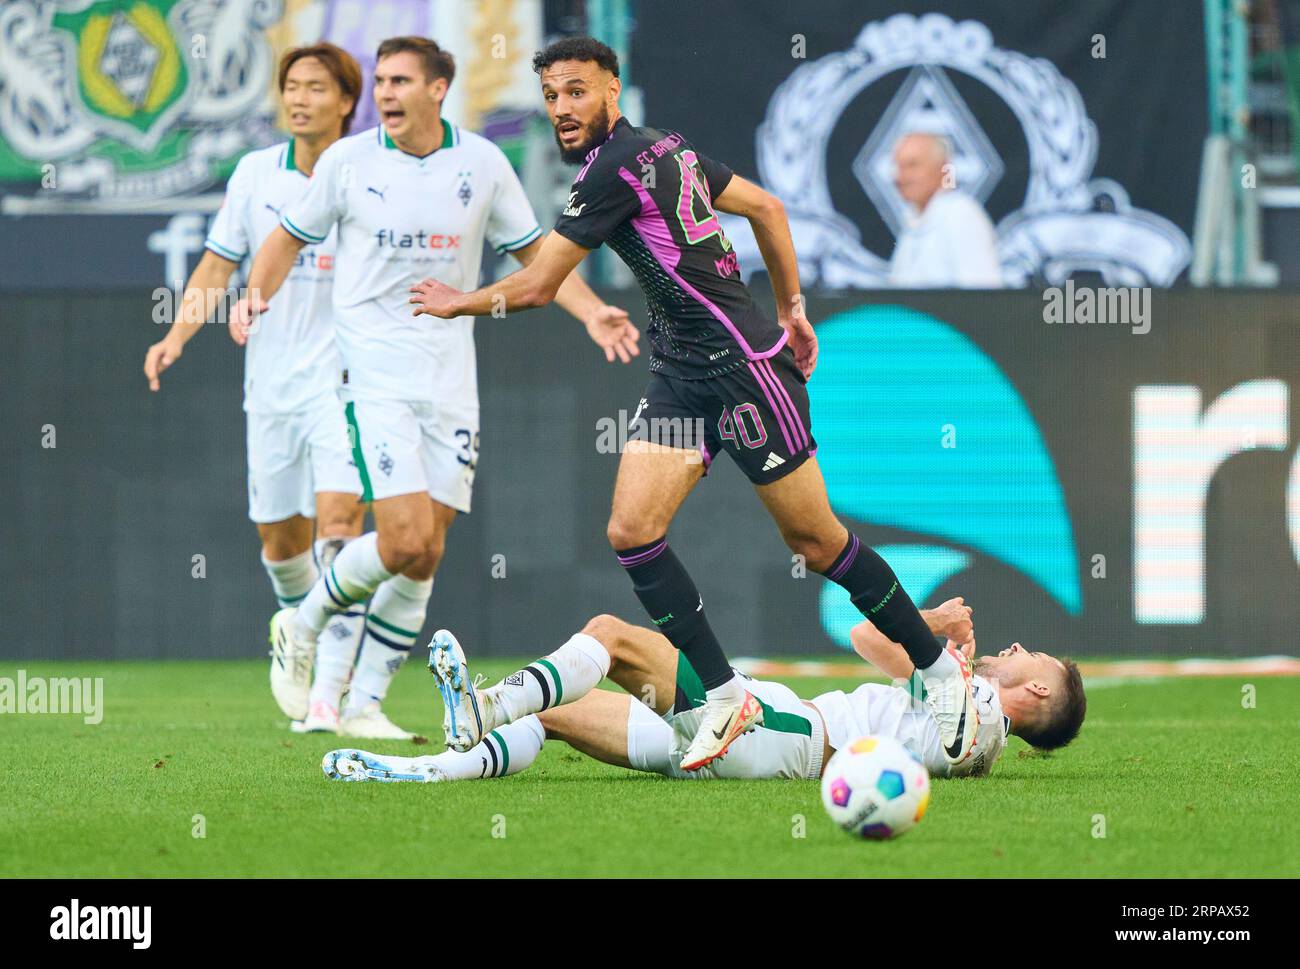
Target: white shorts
x=404, y=447
x=789, y=745
x=292, y=457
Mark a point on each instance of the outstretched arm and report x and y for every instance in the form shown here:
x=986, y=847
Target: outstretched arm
x=608, y=326
x=535, y=285
x=951, y=620
x=206, y=287
x=772, y=233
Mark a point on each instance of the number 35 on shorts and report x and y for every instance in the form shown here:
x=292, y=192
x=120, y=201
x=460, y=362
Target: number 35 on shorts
x=468, y=443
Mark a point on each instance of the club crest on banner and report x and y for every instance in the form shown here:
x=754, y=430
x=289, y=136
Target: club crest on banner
x=134, y=99
x=1068, y=221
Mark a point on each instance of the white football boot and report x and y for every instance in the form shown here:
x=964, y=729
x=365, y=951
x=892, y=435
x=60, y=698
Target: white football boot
x=360, y=765
x=952, y=705
x=292, y=659
x=722, y=723
x=370, y=723
x=467, y=715
x=321, y=718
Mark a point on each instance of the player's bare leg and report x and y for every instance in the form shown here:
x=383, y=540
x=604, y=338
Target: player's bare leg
x=596, y=725
x=653, y=480
x=412, y=537
x=396, y=563
x=339, y=519
x=799, y=504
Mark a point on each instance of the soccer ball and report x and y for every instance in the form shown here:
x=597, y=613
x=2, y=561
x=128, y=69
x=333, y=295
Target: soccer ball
x=875, y=788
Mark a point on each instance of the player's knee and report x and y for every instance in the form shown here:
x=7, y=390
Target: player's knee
x=819, y=551
x=606, y=630
x=279, y=544
x=626, y=533
x=404, y=549
x=341, y=521
x=421, y=567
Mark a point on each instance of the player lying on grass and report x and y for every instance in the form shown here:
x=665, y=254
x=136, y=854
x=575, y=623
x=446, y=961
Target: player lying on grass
x=501, y=729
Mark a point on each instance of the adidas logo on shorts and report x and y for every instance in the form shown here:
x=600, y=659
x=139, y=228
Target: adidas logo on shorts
x=774, y=460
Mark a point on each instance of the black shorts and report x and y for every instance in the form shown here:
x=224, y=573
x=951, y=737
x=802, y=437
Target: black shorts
x=757, y=413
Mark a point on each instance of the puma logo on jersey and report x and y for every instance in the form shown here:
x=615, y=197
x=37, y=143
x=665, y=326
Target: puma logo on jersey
x=274, y=210
x=371, y=188
x=570, y=209
x=774, y=460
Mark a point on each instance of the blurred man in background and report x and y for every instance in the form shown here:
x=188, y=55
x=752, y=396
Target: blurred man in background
x=949, y=241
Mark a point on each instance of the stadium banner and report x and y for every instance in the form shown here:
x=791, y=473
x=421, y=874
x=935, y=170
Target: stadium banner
x=1097, y=472
x=1078, y=127
x=122, y=119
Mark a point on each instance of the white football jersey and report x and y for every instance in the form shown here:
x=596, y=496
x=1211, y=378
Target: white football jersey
x=875, y=708
x=290, y=357
x=402, y=219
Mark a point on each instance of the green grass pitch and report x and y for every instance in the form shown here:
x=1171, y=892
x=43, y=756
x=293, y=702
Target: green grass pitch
x=1186, y=781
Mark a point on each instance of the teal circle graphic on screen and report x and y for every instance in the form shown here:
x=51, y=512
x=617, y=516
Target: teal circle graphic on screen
x=892, y=387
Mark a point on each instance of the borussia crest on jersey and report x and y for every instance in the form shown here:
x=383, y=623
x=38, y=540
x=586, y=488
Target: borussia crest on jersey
x=290, y=357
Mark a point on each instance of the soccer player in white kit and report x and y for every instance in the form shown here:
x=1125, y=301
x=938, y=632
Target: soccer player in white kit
x=299, y=459
x=413, y=198
x=1033, y=695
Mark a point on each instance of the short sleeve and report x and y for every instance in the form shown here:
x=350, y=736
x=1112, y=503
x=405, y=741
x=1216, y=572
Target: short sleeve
x=321, y=206
x=228, y=234
x=602, y=198
x=716, y=174
x=511, y=224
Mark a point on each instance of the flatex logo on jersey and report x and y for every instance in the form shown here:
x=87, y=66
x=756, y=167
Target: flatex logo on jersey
x=311, y=259
x=421, y=246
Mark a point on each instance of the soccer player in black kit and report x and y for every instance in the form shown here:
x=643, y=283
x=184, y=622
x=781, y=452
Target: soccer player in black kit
x=717, y=361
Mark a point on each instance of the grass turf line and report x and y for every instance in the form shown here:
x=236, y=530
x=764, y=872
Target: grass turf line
x=1189, y=782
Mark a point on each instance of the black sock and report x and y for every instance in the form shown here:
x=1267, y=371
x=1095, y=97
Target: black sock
x=875, y=590
x=670, y=597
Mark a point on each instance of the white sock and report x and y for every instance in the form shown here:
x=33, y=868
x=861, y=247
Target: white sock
x=733, y=691
x=570, y=672
x=506, y=750
x=392, y=626
x=336, y=648
x=941, y=669
x=292, y=578
x=354, y=574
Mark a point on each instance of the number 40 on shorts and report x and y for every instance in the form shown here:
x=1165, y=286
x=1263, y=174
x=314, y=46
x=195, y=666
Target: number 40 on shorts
x=742, y=425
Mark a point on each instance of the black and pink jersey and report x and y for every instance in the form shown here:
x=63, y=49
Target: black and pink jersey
x=649, y=195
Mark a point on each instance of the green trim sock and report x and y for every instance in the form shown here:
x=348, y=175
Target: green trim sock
x=506, y=750
x=567, y=674
x=291, y=578
x=393, y=625
x=336, y=648
x=348, y=582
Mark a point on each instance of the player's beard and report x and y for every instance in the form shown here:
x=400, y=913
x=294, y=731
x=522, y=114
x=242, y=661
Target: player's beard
x=594, y=134
x=986, y=670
